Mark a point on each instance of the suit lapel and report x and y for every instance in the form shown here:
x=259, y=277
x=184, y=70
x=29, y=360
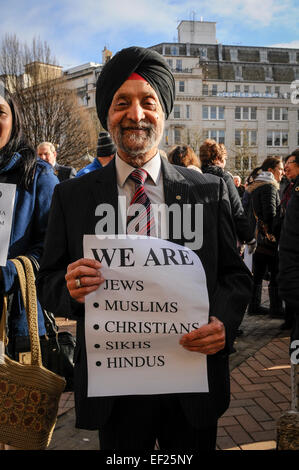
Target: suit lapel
x=176, y=188
x=104, y=191
x=176, y=191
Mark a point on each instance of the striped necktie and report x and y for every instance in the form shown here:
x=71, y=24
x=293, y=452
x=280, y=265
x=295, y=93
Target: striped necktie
x=140, y=220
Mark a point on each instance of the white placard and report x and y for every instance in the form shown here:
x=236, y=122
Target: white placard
x=155, y=292
x=7, y=199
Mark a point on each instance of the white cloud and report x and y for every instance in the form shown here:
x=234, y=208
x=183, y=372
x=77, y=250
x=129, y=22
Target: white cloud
x=288, y=45
x=81, y=28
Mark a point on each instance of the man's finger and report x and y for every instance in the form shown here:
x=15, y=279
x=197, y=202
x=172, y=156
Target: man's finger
x=92, y=263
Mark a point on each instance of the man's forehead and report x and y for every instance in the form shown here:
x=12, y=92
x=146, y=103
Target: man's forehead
x=45, y=148
x=136, y=87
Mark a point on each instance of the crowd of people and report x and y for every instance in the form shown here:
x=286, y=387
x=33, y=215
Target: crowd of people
x=135, y=94
x=258, y=209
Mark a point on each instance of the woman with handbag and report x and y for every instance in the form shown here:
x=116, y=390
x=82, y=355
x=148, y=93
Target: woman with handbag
x=263, y=212
x=35, y=182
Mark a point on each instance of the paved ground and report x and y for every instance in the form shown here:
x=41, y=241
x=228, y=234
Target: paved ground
x=260, y=392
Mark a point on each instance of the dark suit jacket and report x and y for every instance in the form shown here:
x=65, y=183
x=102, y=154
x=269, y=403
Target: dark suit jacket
x=64, y=172
x=228, y=280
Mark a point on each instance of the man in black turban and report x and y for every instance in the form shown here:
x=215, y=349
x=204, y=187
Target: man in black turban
x=147, y=63
x=135, y=94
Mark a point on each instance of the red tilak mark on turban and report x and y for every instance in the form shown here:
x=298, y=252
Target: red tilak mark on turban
x=135, y=76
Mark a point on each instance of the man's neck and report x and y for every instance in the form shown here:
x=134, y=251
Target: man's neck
x=137, y=161
x=105, y=160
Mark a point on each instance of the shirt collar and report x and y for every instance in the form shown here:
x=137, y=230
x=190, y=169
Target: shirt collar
x=123, y=169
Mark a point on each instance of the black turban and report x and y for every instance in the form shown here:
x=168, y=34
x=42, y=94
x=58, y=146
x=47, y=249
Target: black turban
x=147, y=63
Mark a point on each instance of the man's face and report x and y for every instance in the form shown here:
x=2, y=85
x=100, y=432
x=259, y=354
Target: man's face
x=136, y=122
x=45, y=153
x=237, y=182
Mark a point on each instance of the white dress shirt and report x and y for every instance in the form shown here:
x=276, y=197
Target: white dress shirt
x=153, y=187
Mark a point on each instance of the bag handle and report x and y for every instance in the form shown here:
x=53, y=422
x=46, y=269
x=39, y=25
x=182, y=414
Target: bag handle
x=264, y=227
x=28, y=291
x=3, y=322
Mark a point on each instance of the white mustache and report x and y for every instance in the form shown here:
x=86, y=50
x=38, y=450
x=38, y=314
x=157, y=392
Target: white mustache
x=136, y=128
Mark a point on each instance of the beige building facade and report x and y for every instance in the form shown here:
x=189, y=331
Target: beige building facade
x=240, y=96
x=244, y=97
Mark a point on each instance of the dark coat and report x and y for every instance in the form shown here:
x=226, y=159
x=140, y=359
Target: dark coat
x=263, y=202
x=64, y=172
x=244, y=231
x=288, y=277
x=29, y=223
x=228, y=279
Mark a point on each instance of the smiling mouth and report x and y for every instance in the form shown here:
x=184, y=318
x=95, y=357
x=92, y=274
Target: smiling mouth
x=135, y=129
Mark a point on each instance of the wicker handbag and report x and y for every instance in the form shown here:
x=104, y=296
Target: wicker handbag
x=29, y=393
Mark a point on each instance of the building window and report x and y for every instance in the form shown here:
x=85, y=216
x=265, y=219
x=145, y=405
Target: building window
x=179, y=65
x=277, y=139
x=174, y=50
x=166, y=136
x=188, y=115
x=170, y=63
x=181, y=86
x=237, y=88
x=218, y=135
x=214, y=90
x=202, y=53
x=176, y=111
x=245, y=113
x=205, y=112
x=220, y=112
x=277, y=114
x=246, y=88
x=244, y=163
x=205, y=90
x=177, y=136
x=245, y=138
x=213, y=112
x=268, y=89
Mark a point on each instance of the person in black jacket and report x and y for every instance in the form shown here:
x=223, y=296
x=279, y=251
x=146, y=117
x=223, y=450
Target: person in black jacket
x=263, y=211
x=291, y=168
x=213, y=160
x=288, y=276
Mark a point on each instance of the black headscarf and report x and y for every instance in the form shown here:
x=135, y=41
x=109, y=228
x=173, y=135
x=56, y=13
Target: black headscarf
x=147, y=63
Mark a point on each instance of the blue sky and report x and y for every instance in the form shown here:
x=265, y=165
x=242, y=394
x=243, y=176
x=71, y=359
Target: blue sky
x=78, y=30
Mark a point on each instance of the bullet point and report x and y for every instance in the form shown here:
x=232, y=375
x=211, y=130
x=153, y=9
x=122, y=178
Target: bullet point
x=98, y=363
x=97, y=346
x=96, y=305
x=96, y=327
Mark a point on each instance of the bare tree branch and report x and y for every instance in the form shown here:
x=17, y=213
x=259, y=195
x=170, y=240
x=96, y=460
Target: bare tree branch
x=49, y=109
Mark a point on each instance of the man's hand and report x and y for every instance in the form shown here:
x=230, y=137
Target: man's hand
x=208, y=339
x=88, y=272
